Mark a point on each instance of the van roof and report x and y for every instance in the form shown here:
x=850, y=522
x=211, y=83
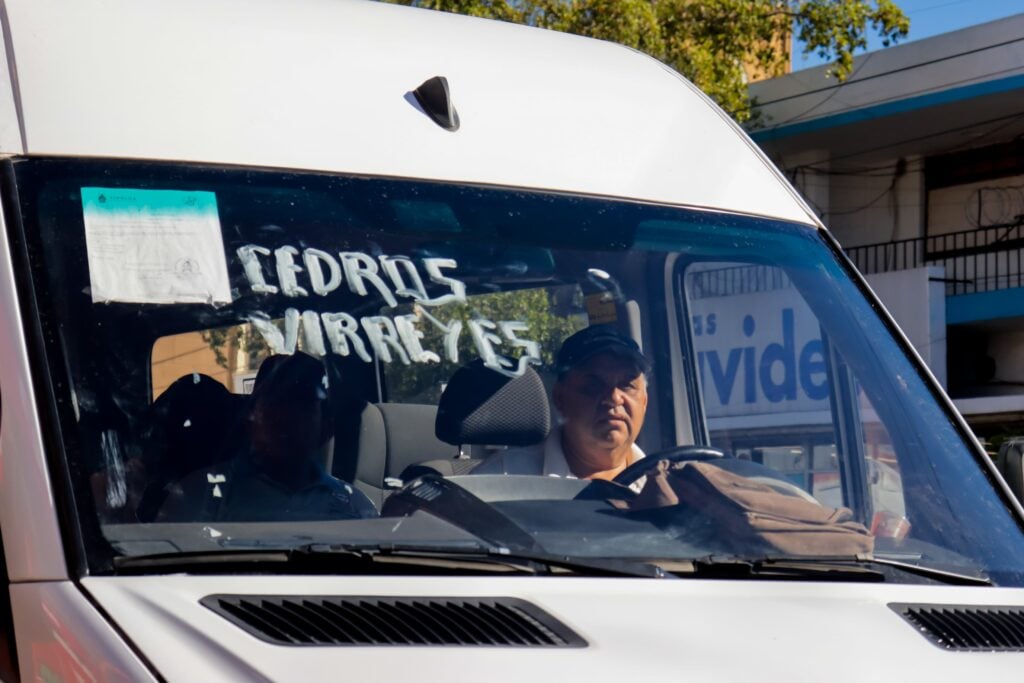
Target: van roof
x=326, y=85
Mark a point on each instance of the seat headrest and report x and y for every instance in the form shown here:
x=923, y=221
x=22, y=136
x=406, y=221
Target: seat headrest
x=188, y=424
x=481, y=406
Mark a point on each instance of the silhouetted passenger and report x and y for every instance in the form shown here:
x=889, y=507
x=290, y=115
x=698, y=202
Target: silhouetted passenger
x=188, y=425
x=279, y=474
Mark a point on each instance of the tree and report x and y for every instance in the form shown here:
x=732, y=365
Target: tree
x=714, y=43
x=422, y=383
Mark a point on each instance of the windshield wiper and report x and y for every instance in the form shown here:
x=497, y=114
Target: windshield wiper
x=843, y=568
x=713, y=567
x=212, y=560
x=534, y=562
x=371, y=558
x=941, y=575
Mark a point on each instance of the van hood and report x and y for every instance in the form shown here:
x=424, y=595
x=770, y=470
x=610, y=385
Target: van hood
x=634, y=629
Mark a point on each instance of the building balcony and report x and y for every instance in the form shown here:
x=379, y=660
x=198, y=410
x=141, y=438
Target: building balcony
x=978, y=261
x=980, y=274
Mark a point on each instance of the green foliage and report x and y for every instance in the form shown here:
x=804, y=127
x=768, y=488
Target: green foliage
x=224, y=341
x=219, y=341
x=422, y=382
x=489, y=9
x=840, y=28
x=711, y=42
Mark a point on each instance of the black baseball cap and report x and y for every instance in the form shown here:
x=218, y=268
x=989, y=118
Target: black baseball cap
x=598, y=339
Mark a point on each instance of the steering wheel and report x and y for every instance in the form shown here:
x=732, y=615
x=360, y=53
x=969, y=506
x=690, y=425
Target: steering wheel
x=677, y=454
x=753, y=471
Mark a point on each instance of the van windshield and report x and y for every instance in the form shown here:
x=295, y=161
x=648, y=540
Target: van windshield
x=246, y=360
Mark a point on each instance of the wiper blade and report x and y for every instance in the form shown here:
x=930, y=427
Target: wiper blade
x=532, y=561
x=211, y=560
x=774, y=569
x=942, y=575
x=337, y=560
x=370, y=558
x=843, y=568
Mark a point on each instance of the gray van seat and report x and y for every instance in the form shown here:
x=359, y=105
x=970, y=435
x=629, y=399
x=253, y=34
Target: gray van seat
x=193, y=421
x=481, y=407
x=393, y=436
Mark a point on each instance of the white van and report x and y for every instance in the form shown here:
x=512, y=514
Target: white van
x=234, y=223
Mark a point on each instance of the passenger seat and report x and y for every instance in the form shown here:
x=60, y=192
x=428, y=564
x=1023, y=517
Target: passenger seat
x=189, y=428
x=481, y=408
x=397, y=442
x=393, y=436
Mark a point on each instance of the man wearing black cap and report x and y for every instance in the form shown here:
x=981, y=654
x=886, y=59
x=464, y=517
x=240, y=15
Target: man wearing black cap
x=601, y=399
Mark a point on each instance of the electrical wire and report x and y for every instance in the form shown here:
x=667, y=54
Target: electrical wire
x=846, y=212
x=823, y=101
x=1009, y=120
x=880, y=74
x=1008, y=203
x=895, y=178
x=929, y=8
x=902, y=96
x=873, y=172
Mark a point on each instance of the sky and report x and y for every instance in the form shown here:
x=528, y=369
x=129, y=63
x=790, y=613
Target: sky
x=932, y=17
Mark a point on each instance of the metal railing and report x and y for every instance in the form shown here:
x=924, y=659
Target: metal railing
x=734, y=280
x=981, y=260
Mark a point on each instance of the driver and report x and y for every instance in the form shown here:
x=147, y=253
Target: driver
x=601, y=399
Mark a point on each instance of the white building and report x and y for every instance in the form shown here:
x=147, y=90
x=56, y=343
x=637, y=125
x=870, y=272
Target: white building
x=916, y=163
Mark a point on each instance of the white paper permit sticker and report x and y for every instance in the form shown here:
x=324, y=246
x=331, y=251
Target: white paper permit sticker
x=154, y=246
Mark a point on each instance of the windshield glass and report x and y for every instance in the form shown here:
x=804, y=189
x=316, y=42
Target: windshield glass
x=244, y=359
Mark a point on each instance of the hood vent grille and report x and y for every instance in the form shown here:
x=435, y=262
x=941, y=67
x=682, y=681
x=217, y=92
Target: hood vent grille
x=319, y=620
x=968, y=627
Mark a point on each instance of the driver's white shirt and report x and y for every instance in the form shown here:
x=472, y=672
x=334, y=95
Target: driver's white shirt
x=546, y=458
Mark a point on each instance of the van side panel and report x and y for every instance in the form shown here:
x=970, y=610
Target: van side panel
x=61, y=637
x=11, y=131
x=28, y=517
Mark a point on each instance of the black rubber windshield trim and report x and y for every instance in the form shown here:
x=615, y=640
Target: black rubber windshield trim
x=77, y=533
